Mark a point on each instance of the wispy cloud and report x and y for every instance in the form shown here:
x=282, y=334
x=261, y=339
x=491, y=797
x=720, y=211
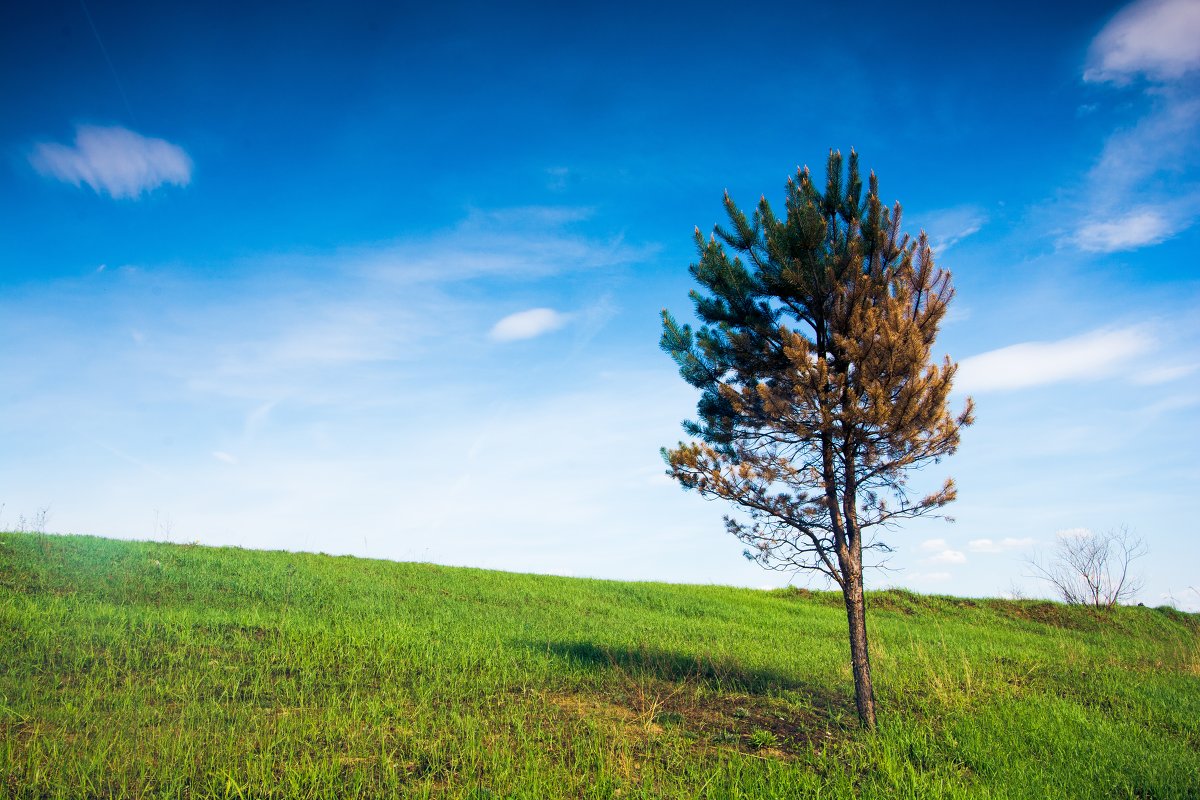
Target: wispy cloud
x=318, y=330
x=1171, y=404
x=221, y=455
x=1092, y=355
x=1136, y=229
x=114, y=161
x=1132, y=156
x=1141, y=163
x=1164, y=374
x=335, y=327
x=124, y=456
x=558, y=178
x=949, y=226
x=528, y=242
x=528, y=324
x=257, y=419
x=1139, y=192
x=1156, y=38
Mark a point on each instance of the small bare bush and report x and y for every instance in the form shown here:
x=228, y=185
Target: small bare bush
x=1093, y=569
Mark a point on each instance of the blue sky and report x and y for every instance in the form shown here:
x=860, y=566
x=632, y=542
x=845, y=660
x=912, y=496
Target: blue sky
x=385, y=279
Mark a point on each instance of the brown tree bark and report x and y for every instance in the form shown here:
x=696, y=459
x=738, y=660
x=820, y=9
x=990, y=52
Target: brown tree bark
x=860, y=660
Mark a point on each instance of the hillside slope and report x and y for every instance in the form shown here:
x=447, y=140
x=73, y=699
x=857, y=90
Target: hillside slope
x=134, y=669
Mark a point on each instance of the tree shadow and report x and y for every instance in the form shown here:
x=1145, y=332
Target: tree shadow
x=726, y=701
x=720, y=674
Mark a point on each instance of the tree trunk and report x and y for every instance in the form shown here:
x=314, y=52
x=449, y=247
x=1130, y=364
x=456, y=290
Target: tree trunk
x=860, y=661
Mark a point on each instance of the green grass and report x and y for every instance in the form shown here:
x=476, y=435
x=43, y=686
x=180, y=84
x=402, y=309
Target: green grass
x=135, y=669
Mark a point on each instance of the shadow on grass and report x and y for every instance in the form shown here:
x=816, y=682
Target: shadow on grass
x=720, y=700
x=714, y=673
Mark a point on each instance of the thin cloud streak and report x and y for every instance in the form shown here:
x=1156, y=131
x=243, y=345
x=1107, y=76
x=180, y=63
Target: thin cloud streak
x=947, y=227
x=1164, y=374
x=528, y=242
x=1090, y=356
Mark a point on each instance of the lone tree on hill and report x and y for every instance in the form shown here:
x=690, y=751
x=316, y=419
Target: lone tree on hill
x=819, y=394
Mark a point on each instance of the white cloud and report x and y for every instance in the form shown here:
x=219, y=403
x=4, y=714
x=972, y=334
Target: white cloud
x=942, y=554
x=1159, y=39
x=948, y=557
x=1004, y=545
x=528, y=324
x=115, y=160
x=1089, y=356
x=220, y=455
x=1138, y=228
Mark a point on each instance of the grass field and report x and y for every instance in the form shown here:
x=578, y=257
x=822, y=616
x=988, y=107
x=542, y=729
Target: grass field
x=134, y=669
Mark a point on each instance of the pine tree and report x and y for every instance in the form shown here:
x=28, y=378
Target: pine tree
x=818, y=390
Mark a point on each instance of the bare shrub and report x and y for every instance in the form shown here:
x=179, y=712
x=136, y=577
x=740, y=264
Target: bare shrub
x=1093, y=569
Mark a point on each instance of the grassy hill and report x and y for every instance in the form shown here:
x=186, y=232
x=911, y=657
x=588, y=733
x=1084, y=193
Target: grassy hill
x=134, y=669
